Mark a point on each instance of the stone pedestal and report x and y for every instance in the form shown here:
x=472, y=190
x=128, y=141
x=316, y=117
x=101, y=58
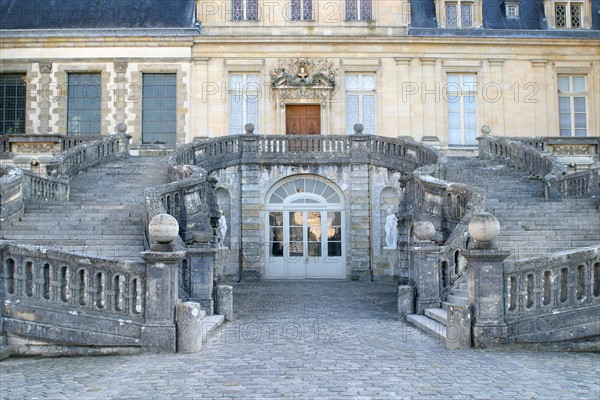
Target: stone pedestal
x=201, y=263
x=458, y=327
x=189, y=327
x=425, y=258
x=486, y=294
x=225, y=301
x=406, y=300
x=158, y=332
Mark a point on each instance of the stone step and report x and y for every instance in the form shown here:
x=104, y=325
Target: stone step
x=453, y=299
x=428, y=325
x=438, y=314
x=463, y=293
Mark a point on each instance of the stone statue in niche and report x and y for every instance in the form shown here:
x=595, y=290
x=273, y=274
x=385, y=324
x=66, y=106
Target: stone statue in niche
x=222, y=231
x=391, y=230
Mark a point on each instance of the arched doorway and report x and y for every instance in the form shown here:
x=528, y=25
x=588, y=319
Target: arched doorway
x=305, y=229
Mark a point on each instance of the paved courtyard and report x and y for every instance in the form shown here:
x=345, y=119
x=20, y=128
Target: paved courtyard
x=329, y=340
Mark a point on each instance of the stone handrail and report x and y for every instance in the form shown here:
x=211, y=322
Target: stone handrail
x=70, y=298
x=449, y=206
x=88, y=154
x=397, y=153
x=45, y=188
x=522, y=154
x=524, y=157
x=11, y=193
x=188, y=198
x=553, y=298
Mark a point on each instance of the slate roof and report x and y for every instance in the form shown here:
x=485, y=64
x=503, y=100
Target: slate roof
x=96, y=14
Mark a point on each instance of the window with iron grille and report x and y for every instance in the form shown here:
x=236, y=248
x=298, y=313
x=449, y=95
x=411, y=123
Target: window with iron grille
x=359, y=10
x=12, y=103
x=302, y=10
x=83, y=104
x=568, y=15
x=459, y=14
x=244, y=10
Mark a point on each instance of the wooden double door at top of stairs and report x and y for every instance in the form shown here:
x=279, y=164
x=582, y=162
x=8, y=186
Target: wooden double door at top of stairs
x=303, y=119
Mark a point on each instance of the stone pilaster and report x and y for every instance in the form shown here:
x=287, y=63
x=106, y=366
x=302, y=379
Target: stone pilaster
x=530, y=95
x=430, y=96
x=406, y=89
x=44, y=96
x=425, y=258
x=360, y=214
x=252, y=227
x=158, y=332
x=120, y=89
x=485, y=271
x=494, y=97
x=201, y=263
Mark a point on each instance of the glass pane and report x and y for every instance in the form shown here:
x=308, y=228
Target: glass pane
x=351, y=10
x=563, y=84
x=352, y=112
x=451, y=15
x=276, y=234
x=369, y=114
x=276, y=219
x=580, y=121
x=365, y=10
x=334, y=218
x=314, y=219
x=296, y=233
x=466, y=15
x=561, y=15
x=297, y=249
x=368, y=82
x=352, y=82
x=579, y=104
x=314, y=234
x=334, y=234
x=469, y=104
x=334, y=249
x=314, y=249
x=296, y=218
x=564, y=105
x=579, y=84
x=469, y=82
x=277, y=249
x=296, y=10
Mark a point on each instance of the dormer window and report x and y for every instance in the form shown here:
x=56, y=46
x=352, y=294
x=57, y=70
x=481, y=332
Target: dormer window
x=511, y=8
x=564, y=14
x=457, y=14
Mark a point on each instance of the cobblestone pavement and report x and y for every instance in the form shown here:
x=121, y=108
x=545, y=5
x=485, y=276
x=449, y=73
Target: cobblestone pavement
x=329, y=340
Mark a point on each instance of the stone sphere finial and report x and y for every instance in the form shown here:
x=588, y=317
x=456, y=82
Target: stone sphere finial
x=249, y=128
x=358, y=128
x=424, y=230
x=163, y=229
x=122, y=127
x=486, y=130
x=484, y=227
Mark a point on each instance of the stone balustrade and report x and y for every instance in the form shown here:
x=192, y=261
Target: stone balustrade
x=88, y=154
x=58, y=296
x=396, y=153
x=44, y=188
x=553, y=298
x=11, y=193
x=449, y=207
x=529, y=155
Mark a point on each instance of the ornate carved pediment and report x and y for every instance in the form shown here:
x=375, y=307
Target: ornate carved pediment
x=303, y=77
